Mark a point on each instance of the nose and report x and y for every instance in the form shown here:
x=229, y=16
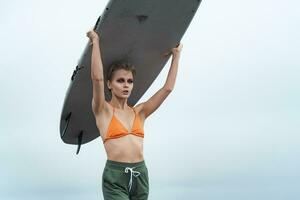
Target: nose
x=126, y=85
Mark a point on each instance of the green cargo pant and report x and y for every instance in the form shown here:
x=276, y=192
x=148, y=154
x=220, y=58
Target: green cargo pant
x=125, y=181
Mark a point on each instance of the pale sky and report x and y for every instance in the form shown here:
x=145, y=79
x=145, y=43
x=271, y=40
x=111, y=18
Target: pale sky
x=229, y=130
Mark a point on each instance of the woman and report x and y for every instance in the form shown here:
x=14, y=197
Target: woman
x=125, y=175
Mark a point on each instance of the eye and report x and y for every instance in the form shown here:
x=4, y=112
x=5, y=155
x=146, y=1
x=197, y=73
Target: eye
x=120, y=80
x=130, y=81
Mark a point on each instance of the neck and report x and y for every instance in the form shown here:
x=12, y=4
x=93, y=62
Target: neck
x=119, y=103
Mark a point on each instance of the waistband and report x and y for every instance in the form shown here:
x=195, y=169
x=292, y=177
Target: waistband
x=121, y=165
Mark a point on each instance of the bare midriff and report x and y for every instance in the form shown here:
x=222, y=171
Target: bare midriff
x=128, y=148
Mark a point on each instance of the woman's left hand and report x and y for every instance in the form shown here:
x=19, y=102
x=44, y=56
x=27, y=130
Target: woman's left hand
x=177, y=50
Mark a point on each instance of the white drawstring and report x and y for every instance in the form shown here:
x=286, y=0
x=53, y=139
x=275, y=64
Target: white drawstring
x=134, y=173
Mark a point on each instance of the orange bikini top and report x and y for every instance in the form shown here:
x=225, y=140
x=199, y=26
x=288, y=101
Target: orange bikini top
x=116, y=128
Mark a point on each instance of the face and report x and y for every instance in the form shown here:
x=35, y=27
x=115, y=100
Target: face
x=121, y=84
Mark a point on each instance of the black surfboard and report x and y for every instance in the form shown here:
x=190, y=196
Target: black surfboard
x=140, y=32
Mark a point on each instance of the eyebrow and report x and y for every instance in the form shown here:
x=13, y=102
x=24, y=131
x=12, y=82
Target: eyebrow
x=124, y=78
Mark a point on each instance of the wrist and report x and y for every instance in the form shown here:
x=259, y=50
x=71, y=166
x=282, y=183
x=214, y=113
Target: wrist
x=176, y=55
x=95, y=40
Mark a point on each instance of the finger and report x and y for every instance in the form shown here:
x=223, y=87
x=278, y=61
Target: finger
x=167, y=54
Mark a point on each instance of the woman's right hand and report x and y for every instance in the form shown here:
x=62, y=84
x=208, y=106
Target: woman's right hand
x=92, y=35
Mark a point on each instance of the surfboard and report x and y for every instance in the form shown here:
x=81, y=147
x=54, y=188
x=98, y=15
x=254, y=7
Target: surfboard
x=140, y=32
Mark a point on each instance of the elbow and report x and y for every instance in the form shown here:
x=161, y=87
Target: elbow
x=97, y=79
x=168, y=89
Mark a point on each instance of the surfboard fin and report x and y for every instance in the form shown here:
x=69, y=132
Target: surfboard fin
x=67, y=124
x=98, y=20
x=79, y=141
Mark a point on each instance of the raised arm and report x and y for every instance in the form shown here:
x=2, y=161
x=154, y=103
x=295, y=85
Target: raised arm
x=97, y=77
x=156, y=100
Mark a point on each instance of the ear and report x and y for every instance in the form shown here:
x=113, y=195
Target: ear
x=108, y=85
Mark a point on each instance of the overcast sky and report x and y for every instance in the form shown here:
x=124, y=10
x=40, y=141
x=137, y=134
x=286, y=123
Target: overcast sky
x=229, y=130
